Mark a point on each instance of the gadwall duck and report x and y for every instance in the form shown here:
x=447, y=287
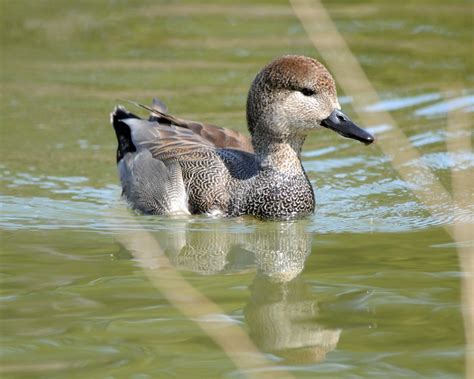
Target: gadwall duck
x=168, y=165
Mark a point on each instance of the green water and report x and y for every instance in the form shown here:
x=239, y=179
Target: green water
x=368, y=287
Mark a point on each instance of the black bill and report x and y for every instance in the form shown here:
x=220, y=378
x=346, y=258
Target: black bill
x=343, y=125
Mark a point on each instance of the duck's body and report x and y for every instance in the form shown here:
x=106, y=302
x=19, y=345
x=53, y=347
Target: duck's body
x=170, y=166
x=174, y=170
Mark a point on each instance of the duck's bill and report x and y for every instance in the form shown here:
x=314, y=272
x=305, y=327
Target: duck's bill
x=343, y=125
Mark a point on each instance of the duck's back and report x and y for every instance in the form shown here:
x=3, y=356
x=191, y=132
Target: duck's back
x=166, y=169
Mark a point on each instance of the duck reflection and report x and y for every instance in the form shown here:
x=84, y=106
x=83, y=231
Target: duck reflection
x=277, y=250
x=282, y=313
x=282, y=318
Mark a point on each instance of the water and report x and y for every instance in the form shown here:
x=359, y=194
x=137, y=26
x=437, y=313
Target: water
x=369, y=286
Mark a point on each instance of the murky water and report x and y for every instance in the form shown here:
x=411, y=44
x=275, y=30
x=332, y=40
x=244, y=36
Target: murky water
x=367, y=287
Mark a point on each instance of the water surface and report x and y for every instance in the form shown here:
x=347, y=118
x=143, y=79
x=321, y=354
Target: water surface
x=367, y=287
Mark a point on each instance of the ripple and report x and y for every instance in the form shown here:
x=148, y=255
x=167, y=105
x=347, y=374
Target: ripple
x=428, y=138
x=378, y=129
x=319, y=152
x=457, y=161
x=394, y=104
x=446, y=106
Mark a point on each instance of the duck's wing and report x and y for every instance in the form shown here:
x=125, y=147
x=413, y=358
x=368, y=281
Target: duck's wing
x=149, y=155
x=217, y=136
x=134, y=133
x=165, y=141
x=240, y=164
x=220, y=137
x=169, y=142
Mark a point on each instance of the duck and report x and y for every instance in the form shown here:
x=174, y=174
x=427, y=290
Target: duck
x=172, y=166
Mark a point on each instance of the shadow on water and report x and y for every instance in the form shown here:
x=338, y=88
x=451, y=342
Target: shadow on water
x=281, y=313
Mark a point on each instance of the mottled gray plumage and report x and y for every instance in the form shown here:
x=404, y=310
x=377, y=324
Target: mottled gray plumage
x=168, y=165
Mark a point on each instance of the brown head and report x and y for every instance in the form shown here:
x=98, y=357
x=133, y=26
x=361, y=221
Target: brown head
x=294, y=95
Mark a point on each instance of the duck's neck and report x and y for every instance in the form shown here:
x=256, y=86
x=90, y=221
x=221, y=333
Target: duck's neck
x=281, y=154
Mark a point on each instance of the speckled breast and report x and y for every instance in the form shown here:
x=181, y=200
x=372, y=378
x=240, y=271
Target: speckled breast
x=273, y=195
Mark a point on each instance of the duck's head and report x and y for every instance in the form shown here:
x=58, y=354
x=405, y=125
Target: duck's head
x=294, y=95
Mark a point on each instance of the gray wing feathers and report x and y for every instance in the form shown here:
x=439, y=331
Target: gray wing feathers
x=240, y=164
x=152, y=176
x=142, y=131
x=153, y=186
x=165, y=141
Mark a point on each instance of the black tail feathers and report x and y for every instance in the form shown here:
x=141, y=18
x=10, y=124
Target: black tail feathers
x=122, y=130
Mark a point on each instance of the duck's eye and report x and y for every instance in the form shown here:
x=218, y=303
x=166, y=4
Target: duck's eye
x=307, y=92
